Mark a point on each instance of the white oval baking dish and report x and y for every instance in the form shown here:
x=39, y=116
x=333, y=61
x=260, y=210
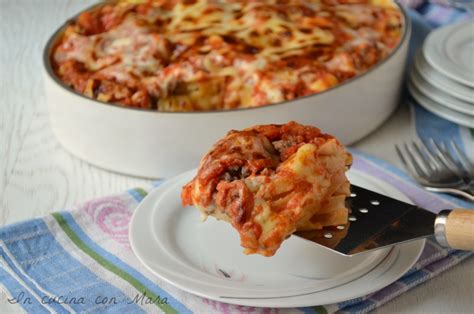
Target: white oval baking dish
x=155, y=144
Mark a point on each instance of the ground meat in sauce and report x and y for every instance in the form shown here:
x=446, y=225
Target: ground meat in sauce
x=214, y=50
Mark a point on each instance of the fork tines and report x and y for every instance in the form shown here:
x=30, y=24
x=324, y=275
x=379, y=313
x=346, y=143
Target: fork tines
x=434, y=161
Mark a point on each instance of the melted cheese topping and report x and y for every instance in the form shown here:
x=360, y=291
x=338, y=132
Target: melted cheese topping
x=175, y=55
x=270, y=181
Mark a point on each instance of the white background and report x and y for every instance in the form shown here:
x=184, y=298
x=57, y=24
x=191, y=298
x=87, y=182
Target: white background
x=38, y=176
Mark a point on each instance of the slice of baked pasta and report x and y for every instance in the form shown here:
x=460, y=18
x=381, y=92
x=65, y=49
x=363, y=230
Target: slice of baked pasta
x=269, y=181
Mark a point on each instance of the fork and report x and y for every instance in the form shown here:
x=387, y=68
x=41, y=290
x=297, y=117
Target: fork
x=438, y=168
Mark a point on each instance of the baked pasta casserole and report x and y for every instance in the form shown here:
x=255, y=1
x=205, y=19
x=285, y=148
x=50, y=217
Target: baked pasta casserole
x=269, y=181
x=198, y=55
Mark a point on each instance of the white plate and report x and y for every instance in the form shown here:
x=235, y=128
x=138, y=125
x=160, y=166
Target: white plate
x=206, y=259
x=440, y=97
x=439, y=109
x=450, y=50
x=442, y=82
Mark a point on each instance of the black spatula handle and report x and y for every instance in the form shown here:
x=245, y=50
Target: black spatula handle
x=455, y=228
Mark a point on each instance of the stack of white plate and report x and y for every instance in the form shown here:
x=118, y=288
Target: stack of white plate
x=442, y=78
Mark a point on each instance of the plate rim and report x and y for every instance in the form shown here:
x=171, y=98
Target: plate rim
x=440, y=81
x=446, y=100
x=438, y=109
x=431, y=50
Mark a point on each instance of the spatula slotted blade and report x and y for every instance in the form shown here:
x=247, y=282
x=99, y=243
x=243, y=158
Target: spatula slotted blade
x=375, y=221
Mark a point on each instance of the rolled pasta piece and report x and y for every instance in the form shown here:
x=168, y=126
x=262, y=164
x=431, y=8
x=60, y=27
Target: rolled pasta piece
x=269, y=181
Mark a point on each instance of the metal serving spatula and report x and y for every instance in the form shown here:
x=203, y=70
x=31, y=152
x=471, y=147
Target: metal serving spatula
x=378, y=221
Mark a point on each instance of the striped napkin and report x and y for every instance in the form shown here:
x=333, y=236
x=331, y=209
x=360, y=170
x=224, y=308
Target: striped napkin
x=81, y=261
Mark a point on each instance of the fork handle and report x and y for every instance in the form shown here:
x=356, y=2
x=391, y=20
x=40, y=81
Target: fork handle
x=455, y=228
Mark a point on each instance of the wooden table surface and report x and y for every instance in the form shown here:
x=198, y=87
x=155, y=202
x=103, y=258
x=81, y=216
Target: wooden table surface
x=38, y=176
